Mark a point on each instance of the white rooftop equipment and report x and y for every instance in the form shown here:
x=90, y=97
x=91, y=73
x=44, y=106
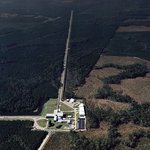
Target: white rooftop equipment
x=58, y=113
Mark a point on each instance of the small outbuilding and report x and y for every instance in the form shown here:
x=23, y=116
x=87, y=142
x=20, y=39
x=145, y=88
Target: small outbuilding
x=72, y=100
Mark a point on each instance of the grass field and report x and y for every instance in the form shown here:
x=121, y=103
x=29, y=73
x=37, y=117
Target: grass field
x=42, y=122
x=49, y=107
x=64, y=107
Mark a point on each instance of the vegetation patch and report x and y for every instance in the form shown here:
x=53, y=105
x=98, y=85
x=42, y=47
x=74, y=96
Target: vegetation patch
x=143, y=144
x=107, y=93
x=100, y=132
x=136, y=113
x=81, y=142
x=134, y=138
x=62, y=137
x=93, y=82
x=137, y=88
x=105, y=103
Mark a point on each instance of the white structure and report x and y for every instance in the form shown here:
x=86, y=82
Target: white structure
x=58, y=113
x=72, y=100
x=50, y=115
x=55, y=118
x=81, y=111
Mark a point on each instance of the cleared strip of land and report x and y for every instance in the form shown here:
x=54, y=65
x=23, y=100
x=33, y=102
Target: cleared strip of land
x=63, y=75
x=134, y=28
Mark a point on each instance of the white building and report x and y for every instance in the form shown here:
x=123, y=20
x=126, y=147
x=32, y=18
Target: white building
x=81, y=111
x=50, y=115
x=58, y=113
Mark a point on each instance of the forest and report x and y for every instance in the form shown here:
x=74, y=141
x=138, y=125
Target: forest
x=94, y=33
x=18, y=135
x=32, y=44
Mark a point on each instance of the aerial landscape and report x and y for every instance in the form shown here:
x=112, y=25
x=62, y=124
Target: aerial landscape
x=75, y=75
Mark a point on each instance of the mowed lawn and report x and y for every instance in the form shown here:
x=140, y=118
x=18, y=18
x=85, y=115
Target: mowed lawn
x=49, y=107
x=64, y=107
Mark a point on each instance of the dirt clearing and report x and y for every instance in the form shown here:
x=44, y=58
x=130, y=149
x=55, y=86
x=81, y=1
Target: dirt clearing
x=101, y=132
x=126, y=129
x=104, y=103
x=138, y=88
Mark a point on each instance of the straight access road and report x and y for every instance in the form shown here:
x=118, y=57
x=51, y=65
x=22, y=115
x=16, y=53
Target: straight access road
x=63, y=75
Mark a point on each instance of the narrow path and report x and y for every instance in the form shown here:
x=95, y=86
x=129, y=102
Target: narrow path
x=7, y=118
x=63, y=75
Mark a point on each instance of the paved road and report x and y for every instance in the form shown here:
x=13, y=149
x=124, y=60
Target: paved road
x=32, y=118
x=63, y=75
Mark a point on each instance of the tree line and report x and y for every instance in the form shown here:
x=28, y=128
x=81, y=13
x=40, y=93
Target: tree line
x=128, y=72
x=106, y=92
